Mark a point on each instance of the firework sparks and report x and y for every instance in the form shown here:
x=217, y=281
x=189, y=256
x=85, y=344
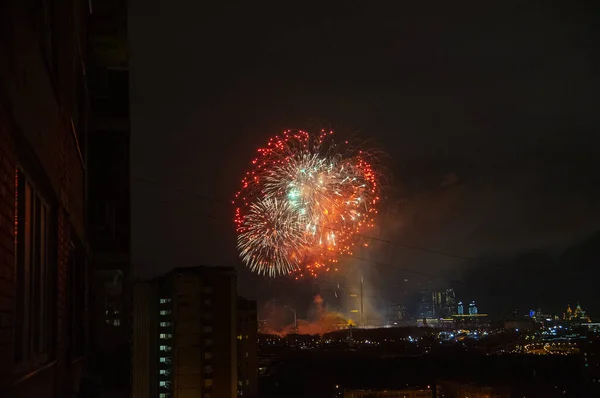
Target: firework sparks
x=303, y=204
x=271, y=236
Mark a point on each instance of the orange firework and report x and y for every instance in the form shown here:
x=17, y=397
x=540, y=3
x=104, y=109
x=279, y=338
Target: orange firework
x=303, y=204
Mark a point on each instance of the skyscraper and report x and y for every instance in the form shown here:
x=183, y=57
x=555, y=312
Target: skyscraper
x=438, y=300
x=443, y=303
x=460, y=308
x=450, y=303
x=472, y=308
x=425, y=304
x=185, y=335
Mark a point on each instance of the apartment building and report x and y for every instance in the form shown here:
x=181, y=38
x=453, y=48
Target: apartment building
x=185, y=329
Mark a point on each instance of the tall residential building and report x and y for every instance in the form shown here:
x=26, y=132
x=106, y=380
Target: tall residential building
x=247, y=354
x=184, y=336
x=43, y=246
x=109, y=187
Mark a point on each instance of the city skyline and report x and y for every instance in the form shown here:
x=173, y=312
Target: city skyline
x=488, y=169
x=219, y=200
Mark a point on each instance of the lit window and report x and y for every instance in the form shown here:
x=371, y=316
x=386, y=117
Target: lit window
x=165, y=312
x=116, y=322
x=166, y=335
x=165, y=300
x=164, y=372
x=207, y=382
x=165, y=360
x=208, y=329
x=164, y=384
x=239, y=337
x=165, y=348
x=164, y=395
x=165, y=324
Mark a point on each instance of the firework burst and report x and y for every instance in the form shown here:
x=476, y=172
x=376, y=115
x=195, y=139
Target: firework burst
x=304, y=203
x=271, y=236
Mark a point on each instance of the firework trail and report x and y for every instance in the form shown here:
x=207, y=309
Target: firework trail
x=303, y=204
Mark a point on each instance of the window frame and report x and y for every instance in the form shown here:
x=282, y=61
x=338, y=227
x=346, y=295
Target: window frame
x=37, y=349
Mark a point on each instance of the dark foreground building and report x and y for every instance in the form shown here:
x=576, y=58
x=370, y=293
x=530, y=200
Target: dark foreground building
x=108, y=210
x=184, y=335
x=43, y=255
x=247, y=350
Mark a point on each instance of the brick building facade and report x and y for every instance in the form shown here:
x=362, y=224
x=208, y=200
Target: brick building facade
x=43, y=251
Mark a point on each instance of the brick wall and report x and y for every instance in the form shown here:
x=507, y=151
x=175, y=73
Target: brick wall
x=62, y=299
x=57, y=378
x=35, y=124
x=7, y=201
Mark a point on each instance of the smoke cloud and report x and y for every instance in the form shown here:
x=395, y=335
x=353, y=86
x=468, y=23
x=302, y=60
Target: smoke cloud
x=319, y=320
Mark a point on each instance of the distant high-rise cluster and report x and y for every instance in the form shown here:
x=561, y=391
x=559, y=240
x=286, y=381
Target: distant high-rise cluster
x=578, y=315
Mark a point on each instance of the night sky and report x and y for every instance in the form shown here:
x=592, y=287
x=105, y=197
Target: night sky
x=490, y=118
